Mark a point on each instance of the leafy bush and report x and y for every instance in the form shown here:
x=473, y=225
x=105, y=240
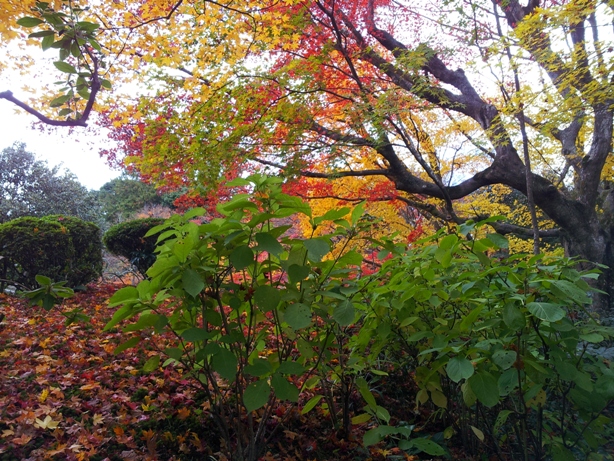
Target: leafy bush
x=59, y=247
x=128, y=239
x=253, y=310
x=500, y=346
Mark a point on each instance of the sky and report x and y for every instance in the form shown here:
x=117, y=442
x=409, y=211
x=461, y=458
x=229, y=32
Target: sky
x=76, y=151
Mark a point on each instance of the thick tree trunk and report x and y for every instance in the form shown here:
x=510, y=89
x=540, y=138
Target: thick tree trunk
x=596, y=248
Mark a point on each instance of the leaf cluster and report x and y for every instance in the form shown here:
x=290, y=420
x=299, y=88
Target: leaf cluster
x=501, y=344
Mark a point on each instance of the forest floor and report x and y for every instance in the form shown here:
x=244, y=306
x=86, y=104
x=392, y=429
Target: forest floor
x=65, y=395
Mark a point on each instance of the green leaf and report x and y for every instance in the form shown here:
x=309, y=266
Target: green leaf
x=448, y=242
x=182, y=248
x=513, y=317
x=468, y=396
x=298, y=273
x=291, y=368
x=426, y=445
x=501, y=419
x=225, y=363
x=267, y=297
x=256, y=395
x=47, y=41
x=344, y=313
x=332, y=215
x=258, y=368
x=87, y=26
x=459, y=368
x=443, y=256
x=195, y=334
x=151, y=364
x=60, y=100
x=362, y=418
x=546, y=311
x=284, y=390
x=357, y=212
x=311, y=403
x=470, y=318
x=105, y=83
x=29, y=22
x=351, y=258
x=485, y=388
x=499, y=240
x=241, y=257
x=43, y=280
x=192, y=282
x=504, y=359
x=298, y=316
x=561, y=453
x=571, y=291
x=371, y=437
x=127, y=345
x=42, y=33
x=592, y=338
x=268, y=243
x=316, y=249
x=65, y=67
x=366, y=393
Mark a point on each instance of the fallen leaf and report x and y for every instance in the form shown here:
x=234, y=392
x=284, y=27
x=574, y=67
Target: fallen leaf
x=47, y=423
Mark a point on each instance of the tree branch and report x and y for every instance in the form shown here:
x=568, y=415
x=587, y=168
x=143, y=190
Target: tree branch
x=335, y=175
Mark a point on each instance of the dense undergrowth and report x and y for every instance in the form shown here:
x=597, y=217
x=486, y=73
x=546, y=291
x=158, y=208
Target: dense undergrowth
x=248, y=343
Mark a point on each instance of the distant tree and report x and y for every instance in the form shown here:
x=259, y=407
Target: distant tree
x=123, y=198
x=30, y=187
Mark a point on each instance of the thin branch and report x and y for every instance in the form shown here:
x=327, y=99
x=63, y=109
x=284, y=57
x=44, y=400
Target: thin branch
x=81, y=121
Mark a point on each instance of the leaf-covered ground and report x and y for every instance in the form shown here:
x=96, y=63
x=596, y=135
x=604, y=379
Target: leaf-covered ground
x=65, y=395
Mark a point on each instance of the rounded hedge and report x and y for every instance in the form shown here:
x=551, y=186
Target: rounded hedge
x=63, y=248
x=128, y=239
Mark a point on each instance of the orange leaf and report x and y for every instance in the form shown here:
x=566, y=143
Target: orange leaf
x=148, y=434
x=22, y=439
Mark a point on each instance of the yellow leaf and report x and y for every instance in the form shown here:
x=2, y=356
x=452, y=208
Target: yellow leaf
x=47, y=423
x=43, y=396
x=89, y=387
x=97, y=419
x=478, y=433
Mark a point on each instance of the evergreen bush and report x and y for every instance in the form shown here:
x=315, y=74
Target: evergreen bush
x=59, y=247
x=128, y=239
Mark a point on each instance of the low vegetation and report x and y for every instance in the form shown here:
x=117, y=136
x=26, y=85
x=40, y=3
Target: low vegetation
x=247, y=343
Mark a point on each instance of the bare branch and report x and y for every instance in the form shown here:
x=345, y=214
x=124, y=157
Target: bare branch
x=334, y=175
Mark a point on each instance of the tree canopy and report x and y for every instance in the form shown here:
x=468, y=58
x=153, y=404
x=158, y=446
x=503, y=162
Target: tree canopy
x=29, y=187
x=440, y=99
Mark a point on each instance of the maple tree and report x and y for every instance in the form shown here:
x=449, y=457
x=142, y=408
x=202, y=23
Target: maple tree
x=445, y=98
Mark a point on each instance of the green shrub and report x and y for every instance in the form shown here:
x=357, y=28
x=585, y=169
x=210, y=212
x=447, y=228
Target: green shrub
x=499, y=346
x=240, y=285
x=59, y=247
x=128, y=239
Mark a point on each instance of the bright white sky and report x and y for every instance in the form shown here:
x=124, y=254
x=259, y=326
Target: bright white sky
x=78, y=152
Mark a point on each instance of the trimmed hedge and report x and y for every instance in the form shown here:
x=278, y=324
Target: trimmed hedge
x=63, y=248
x=128, y=239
